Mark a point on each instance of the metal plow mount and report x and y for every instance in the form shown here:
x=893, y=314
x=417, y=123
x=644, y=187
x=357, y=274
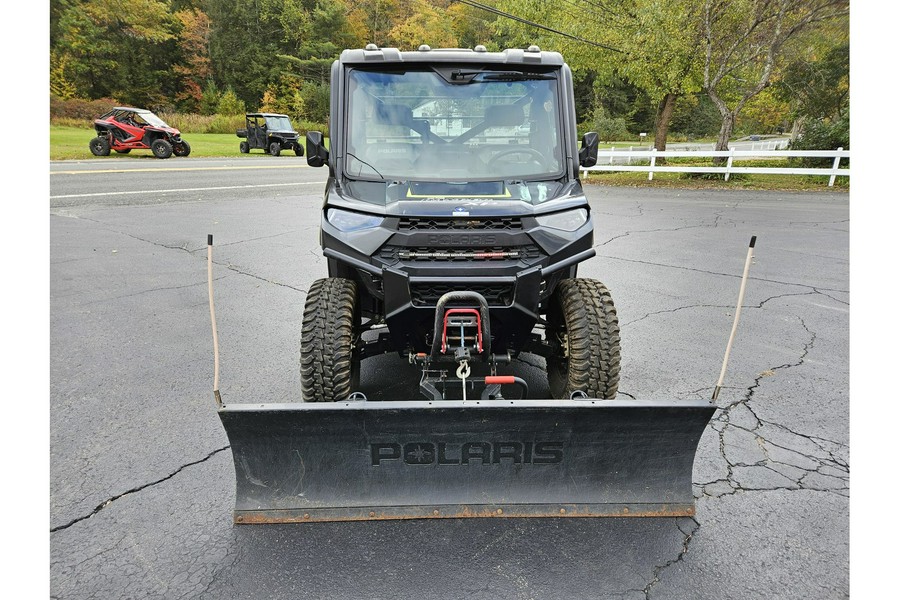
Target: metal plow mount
x=364, y=460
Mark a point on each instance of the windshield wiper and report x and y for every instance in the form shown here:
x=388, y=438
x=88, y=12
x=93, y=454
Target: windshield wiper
x=460, y=76
x=358, y=159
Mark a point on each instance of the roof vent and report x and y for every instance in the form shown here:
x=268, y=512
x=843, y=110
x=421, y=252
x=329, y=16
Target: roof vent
x=424, y=48
x=533, y=48
x=480, y=48
x=371, y=47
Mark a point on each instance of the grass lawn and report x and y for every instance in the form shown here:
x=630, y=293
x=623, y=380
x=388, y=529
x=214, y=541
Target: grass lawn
x=737, y=182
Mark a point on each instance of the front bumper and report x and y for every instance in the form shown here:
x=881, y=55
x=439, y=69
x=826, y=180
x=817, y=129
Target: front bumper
x=406, y=272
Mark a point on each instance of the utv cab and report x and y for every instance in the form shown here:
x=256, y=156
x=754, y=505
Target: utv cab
x=271, y=132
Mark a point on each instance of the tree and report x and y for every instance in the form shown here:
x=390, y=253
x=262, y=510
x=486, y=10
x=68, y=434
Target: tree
x=817, y=87
x=194, y=46
x=378, y=17
x=245, y=37
x=230, y=104
x=743, y=43
x=109, y=52
x=424, y=26
x=649, y=43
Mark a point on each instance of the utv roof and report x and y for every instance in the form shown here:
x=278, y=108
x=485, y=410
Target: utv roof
x=372, y=54
x=265, y=115
x=137, y=110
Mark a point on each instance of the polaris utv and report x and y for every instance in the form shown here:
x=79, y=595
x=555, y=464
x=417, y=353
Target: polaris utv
x=453, y=224
x=271, y=132
x=124, y=129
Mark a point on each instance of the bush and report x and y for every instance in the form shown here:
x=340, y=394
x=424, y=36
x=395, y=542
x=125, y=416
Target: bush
x=314, y=100
x=209, y=98
x=188, y=122
x=305, y=126
x=229, y=104
x=226, y=124
x=79, y=108
x=823, y=135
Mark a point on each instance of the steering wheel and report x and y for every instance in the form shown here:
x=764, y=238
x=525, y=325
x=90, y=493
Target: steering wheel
x=534, y=156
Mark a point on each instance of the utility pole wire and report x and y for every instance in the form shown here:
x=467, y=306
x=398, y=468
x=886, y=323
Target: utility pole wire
x=507, y=15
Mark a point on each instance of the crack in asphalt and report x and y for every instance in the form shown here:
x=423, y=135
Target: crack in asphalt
x=775, y=488
x=688, y=536
x=817, y=223
x=723, y=418
x=728, y=306
x=256, y=239
x=231, y=267
x=109, y=501
x=653, y=264
x=184, y=248
x=151, y=290
x=627, y=233
x=832, y=297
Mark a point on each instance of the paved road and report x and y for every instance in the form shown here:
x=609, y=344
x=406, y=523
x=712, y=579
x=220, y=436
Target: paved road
x=142, y=480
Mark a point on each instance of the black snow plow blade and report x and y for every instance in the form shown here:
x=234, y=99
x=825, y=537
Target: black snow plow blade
x=366, y=460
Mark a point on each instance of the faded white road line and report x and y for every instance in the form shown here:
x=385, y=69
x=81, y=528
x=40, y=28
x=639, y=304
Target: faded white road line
x=201, y=189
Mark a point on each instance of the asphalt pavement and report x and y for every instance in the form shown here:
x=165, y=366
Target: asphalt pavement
x=142, y=483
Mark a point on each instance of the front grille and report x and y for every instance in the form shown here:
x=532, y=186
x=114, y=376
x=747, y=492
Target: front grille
x=437, y=224
x=428, y=294
x=404, y=253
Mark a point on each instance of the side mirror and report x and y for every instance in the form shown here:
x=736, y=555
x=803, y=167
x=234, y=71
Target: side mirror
x=587, y=156
x=317, y=154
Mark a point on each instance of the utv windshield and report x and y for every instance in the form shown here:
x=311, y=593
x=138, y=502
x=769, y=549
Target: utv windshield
x=279, y=124
x=151, y=119
x=452, y=123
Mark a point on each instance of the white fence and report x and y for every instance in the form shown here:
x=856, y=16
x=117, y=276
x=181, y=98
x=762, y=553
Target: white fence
x=728, y=169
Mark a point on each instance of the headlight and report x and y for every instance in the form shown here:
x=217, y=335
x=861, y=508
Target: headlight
x=569, y=220
x=351, y=221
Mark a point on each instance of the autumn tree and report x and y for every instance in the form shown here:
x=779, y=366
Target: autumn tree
x=425, y=24
x=195, y=69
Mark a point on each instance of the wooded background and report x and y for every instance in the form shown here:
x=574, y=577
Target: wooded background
x=678, y=69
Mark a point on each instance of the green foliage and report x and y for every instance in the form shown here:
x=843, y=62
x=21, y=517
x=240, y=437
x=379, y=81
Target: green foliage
x=608, y=128
x=229, y=104
x=210, y=97
x=106, y=49
x=823, y=135
x=60, y=86
x=226, y=124
x=696, y=116
x=303, y=126
x=764, y=113
x=820, y=88
x=316, y=101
